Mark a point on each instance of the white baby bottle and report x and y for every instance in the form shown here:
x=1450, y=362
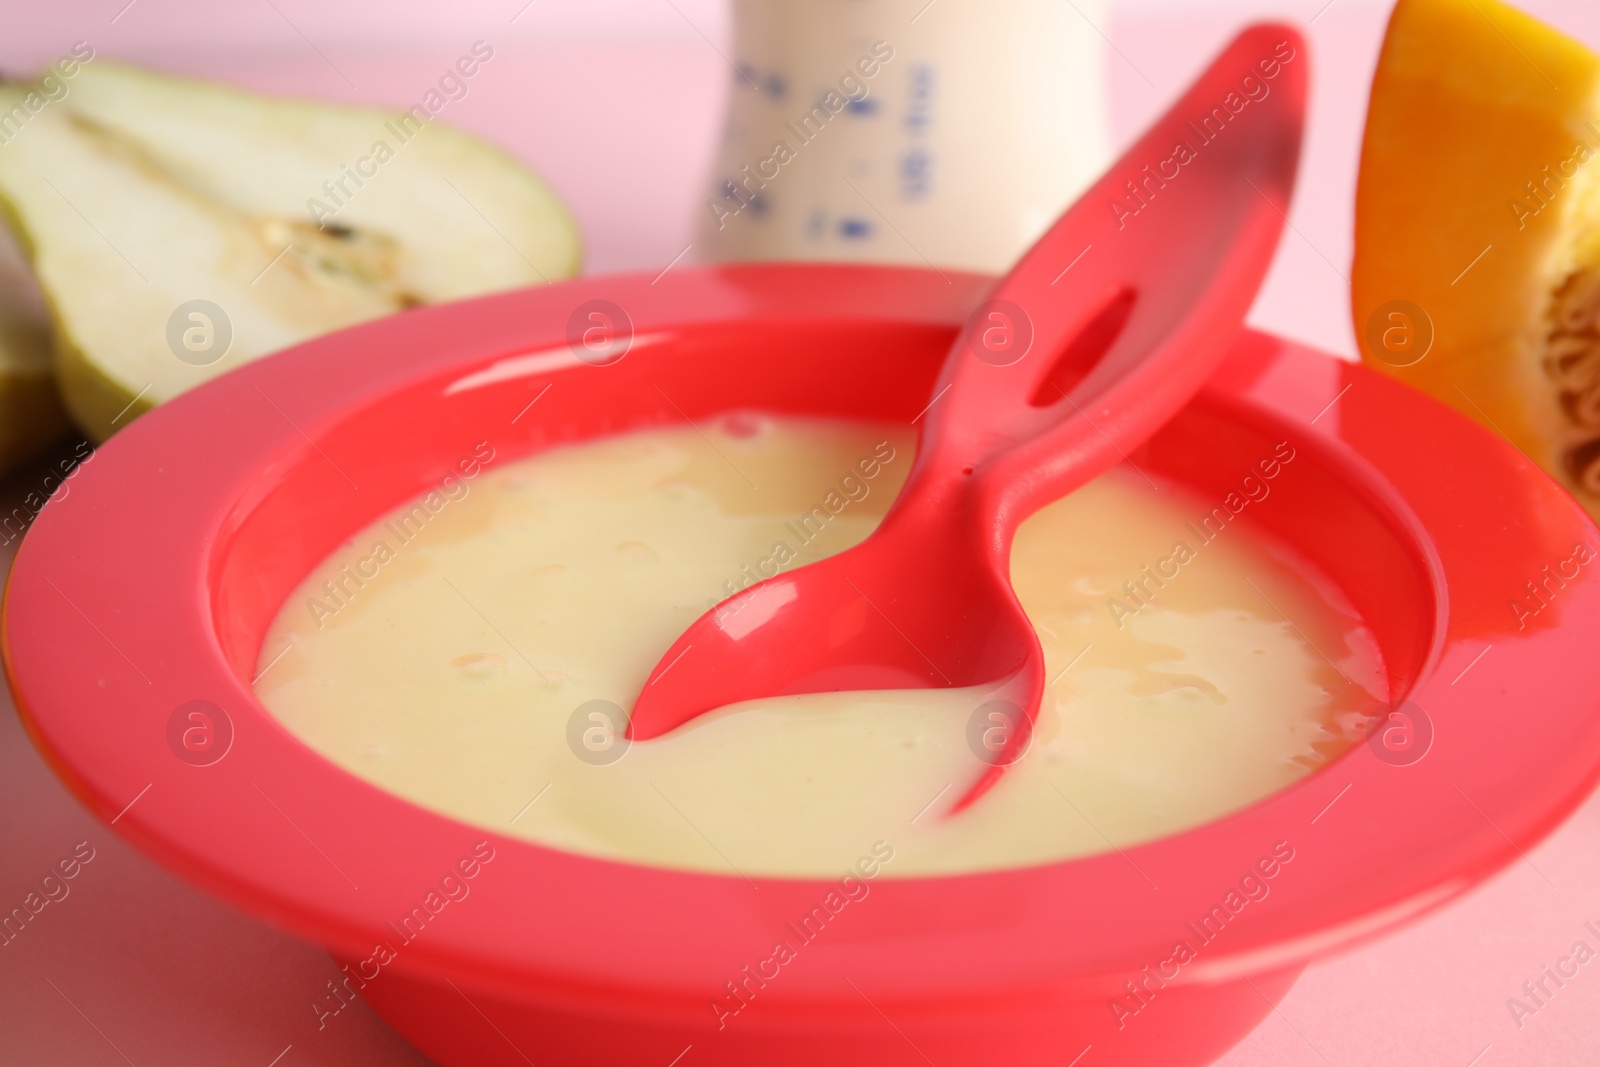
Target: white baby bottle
x=933, y=132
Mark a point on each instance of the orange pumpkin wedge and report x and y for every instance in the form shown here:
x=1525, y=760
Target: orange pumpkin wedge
x=1477, y=245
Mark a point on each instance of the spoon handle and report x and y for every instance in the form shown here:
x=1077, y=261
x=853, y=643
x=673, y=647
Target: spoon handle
x=1122, y=310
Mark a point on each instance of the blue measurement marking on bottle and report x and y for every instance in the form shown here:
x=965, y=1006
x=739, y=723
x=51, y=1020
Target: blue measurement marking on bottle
x=855, y=229
x=916, y=162
x=919, y=108
x=865, y=106
x=816, y=224
x=916, y=173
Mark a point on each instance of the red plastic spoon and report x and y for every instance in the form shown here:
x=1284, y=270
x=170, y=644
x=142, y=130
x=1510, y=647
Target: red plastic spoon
x=1094, y=340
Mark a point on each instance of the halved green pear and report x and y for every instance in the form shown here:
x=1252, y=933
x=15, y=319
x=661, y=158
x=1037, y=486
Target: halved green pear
x=179, y=228
x=31, y=417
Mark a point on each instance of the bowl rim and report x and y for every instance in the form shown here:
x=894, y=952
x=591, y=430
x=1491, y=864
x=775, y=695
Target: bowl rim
x=105, y=637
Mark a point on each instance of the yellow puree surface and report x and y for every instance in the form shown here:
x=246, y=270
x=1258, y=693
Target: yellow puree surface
x=455, y=642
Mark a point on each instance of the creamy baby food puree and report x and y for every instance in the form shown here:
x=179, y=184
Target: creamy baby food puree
x=451, y=652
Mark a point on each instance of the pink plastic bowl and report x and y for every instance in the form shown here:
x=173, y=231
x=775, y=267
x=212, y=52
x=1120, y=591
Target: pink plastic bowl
x=151, y=583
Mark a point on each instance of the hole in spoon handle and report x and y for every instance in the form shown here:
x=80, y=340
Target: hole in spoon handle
x=1081, y=355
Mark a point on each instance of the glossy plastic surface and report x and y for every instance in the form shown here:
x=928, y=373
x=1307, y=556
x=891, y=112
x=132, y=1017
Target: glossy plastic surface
x=1103, y=330
x=151, y=583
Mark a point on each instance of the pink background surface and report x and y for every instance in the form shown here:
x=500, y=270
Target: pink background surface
x=617, y=103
